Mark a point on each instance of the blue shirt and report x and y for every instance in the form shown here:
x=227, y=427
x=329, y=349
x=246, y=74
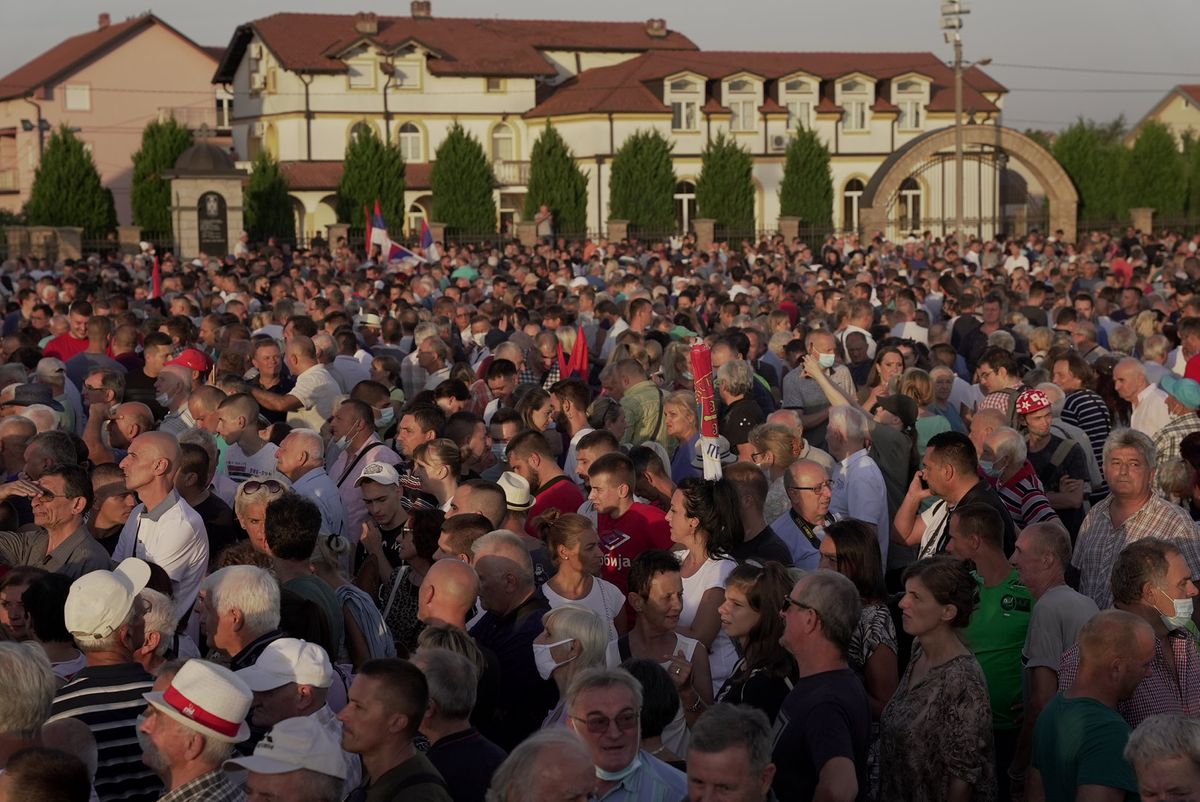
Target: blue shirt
x=653, y=781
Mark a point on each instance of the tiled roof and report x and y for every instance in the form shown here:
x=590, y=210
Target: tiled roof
x=882, y=104
x=505, y=47
x=1191, y=90
x=624, y=87
x=771, y=106
x=69, y=55
x=325, y=175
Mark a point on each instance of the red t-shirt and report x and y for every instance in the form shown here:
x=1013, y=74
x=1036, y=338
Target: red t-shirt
x=562, y=494
x=642, y=527
x=64, y=346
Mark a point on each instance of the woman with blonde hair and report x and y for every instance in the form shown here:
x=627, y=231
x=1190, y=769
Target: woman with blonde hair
x=438, y=464
x=573, y=639
x=1040, y=340
x=683, y=426
x=677, y=367
x=1147, y=324
x=574, y=549
x=774, y=451
x=918, y=385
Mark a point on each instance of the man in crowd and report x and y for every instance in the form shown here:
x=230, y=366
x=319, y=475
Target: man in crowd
x=298, y=760
x=301, y=458
x=729, y=755
x=626, y=527
x=857, y=480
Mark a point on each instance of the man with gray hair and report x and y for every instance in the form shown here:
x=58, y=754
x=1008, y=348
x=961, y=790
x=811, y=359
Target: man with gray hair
x=1005, y=463
x=172, y=388
x=240, y=609
x=729, y=756
x=1165, y=754
x=1150, y=413
x=298, y=761
x=301, y=458
x=823, y=728
x=742, y=413
x=512, y=619
x=857, y=481
x=1132, y=511
x=550, y=764
x=29, y=686
x=466, y=759
x=412, y=375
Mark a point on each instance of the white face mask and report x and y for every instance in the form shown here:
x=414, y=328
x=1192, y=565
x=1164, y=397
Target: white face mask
x=480, y=338
x=545, y=661
x=163, y=399
x=827, y=360
x=1183, y=613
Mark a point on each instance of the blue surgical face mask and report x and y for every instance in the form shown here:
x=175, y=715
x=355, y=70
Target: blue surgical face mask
x=989, y=467
x=386, y=416
x=827, y=360
x=1183, y=612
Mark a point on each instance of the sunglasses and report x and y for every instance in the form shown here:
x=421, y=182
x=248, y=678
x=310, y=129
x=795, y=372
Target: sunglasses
x=789, y=602
x=254, y=485
x=598, y=724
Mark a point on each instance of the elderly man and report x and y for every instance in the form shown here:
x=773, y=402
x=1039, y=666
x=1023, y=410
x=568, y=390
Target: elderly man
x=193, y=720
x=1131, y=512
x=106, y=619
x=298, y=761
x=735, y=387
x=172, y=388
x=604, y=706
x=823, y=728
x=163, y=529
x=1183, y=401
x=61, y=542
x=729, y=756
x=354, y=425
x=434, y=356
x=1151, y=580
x=857, y=480
x=301, y=458
x=1004, y=463
x=1080, y=738
x=447, y=594
x=550, y=764
x=1165, y=754
x=1150, y=413
x=310, y=401
x=801, y=528
x=240, y=605
x=512, y=619
x=803, y=394
x=122, y=423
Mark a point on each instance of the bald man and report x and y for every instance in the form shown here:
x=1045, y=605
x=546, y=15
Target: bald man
x=810, y=491
x=123, y=422
x=447, y=594
x=310, y=402
x=163, y=529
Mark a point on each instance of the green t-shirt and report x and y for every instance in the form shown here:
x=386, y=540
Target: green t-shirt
x=1080, y=742
x=996, y=635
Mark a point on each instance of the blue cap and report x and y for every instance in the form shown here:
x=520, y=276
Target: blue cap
x=1185, y=391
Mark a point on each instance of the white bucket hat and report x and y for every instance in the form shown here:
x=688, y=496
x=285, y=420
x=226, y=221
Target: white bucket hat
x=516, y=491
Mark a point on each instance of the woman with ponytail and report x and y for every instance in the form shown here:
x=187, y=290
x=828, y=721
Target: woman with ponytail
x=574, y=549
x=438, y=464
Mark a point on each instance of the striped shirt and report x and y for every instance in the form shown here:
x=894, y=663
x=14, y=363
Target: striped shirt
x=1025, y=498
x=1087, y=410
x=108, y=699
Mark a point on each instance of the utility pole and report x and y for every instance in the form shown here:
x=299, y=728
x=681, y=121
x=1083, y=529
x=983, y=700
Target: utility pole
x=952, y=13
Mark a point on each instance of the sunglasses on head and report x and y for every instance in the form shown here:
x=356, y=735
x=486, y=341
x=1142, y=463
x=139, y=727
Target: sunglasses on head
x=254, y=485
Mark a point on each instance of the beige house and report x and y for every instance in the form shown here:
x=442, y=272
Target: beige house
x=1179, y=111
x=106, y=84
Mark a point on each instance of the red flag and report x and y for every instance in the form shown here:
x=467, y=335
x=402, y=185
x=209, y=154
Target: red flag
x=156, y=279
x=578, y=363
x=706, y=403
x=367, y=222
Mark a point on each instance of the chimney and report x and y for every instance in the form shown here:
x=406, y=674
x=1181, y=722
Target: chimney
x=105, y=21
x=656, y=28
x=365, y=22
x=422, y=9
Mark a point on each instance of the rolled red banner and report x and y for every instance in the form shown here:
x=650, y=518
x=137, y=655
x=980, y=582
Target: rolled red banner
x=706, y=403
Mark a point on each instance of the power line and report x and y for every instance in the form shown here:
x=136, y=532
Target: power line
x=1095, y=70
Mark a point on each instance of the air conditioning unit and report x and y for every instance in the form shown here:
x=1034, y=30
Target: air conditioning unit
x=256, y=50
x=258, y=82
x=779, y=143
x=258, y=128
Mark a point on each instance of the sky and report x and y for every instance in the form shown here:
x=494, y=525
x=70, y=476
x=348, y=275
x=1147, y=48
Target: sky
x=1060, y=59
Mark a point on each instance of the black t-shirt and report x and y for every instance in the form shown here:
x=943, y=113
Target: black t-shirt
x=286, y=383
x=223, y=530
x=826, y=716
x=764, y=546
x=742, y=416
x=1074, y=466
x=981, y=493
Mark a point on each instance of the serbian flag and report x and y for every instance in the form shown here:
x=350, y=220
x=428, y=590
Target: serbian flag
x=156, y=279
x=377, y=234
x=578, y=363
x=707, y=403
x=432, y=254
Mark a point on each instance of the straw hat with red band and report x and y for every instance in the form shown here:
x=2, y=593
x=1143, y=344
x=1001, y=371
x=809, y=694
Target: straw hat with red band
x=1032, y=401
x=207, y=698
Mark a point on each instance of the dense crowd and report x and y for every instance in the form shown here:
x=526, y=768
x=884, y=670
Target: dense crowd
x=306, y=525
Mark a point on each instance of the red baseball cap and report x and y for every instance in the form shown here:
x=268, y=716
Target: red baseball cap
x=192, y=359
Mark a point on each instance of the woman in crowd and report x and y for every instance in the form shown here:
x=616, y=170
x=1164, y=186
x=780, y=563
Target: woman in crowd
x=606, y=413
x=889, y=364
x=386, y=371
x=704, y=520
x=677, y=368
x=764, y=672
x=438, y=464
x=936, y=732
x=574, y=550
x=573, y=639
x=250, y=507
x=679, y=419
x=367, y=636
x=660, y=707
x=398, y=589
x=1040, y=340
x=917, y=385
x=537, y=415
x=774, y=451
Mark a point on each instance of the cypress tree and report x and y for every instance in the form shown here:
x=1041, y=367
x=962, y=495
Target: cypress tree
x=725, y=188
x=1154, y=173
x=67, y=190
x=1093, y=158
x=462, y=184
x=268, y=207
x=642, y=183
x=556, y=181
x=807, y=187
x=162, y=144
x=372, y=171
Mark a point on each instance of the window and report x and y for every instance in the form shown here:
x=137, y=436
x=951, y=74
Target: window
x=853, y=86
x=503, y=149
x=799, y=97
x=799, y=114
x=685, y=205
x=741, y=86
x=361, y=74
x=910, y=205
x=77, y=97
x=684, y=97
x=683, y=85
x=743, y=115
x=406, y=75
x=851, y=196
x=224, y=113
x=910, y=98
x=495, y=84
x=409, y=138
x=416, y=213
x=855, y=98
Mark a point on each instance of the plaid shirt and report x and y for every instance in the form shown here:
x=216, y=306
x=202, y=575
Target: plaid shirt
x=1161, y=691
x=1099, y=542
x=212, y=787
x=1168, y=438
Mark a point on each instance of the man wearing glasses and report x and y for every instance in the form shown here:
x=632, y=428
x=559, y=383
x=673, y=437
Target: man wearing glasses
x=809, y=490
x=61, y=542
x=604, y=708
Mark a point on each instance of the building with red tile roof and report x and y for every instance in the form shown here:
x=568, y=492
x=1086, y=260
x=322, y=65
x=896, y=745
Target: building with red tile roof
x=1179, y=110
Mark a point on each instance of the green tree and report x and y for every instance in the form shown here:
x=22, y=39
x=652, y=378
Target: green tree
x=725, y=188
x=268, y=207
x=162, y=144
x=1043, y=138
x=1154, y=172
x=1093, y=156
x=1191, y=157
x=67, y=190
x=372, y=171
x=462, y=184
x=807, y=187
x=556, y=181
x=642, y=183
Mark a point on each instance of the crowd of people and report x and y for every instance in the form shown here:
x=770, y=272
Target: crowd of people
x=306, y=525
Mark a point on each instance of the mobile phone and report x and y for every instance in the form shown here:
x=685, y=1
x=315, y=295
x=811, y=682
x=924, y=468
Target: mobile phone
x=924, y=484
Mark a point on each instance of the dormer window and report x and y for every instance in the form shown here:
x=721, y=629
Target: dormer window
x=856, y=97
x=361, y=74
x=683, y=94
x=909, y=96
x=742, y=98
x=798, y=97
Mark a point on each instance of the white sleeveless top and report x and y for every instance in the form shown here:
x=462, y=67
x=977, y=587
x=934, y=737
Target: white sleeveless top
x=712, y=574
x=604, y=599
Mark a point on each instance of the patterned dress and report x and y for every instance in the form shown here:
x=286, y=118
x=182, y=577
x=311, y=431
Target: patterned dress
x=875, y=629
x=401, y=618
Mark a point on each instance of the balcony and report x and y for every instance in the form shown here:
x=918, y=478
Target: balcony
x=511, y=174
x=9, y=181
x=194, y=117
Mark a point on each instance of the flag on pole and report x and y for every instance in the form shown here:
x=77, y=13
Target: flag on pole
x=707, y=403
x=367, y=220
x=432, y=253
x=377, y=234
x=578, y=362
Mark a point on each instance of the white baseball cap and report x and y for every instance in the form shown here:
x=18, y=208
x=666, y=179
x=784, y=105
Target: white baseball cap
x=289, y=660
x=380, y=472
x=294, y=743
x=99, y=602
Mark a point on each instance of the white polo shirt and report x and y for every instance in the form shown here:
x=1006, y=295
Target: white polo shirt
x=317, y=391
x=173, y=537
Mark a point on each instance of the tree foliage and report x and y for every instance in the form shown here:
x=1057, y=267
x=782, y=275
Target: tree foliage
x=641, y=186
x=67, y=191
x=1154, y=172
x=163, y=142
x=807, y=187
x=462, y=182
x=1093, y=156
x=1191, y=158
x=372, y=171
x=268, y=207
x=725, y=188
x=556, y=181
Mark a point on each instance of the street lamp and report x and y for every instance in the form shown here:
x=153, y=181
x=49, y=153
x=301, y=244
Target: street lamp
x=952, y=14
